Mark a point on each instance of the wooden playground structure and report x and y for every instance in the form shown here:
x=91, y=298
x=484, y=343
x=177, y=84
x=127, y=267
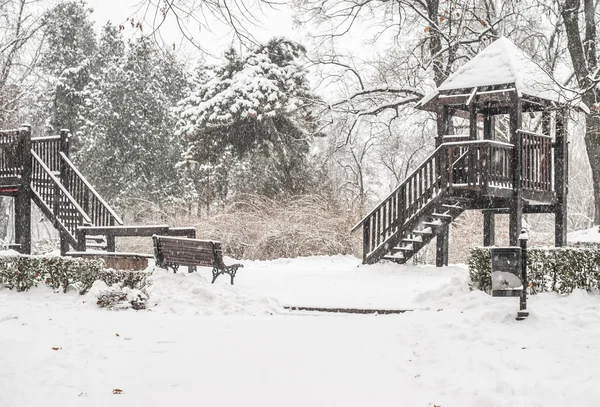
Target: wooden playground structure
x=39, y=170
x=528, y=173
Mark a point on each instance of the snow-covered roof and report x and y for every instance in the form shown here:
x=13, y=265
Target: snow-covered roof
x=503, y=63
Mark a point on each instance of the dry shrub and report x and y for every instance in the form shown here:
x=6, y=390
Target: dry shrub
x=260, y=228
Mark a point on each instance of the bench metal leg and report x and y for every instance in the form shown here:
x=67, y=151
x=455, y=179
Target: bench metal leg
x=227, y=270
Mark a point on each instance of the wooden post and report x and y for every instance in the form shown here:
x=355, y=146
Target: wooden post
x=64, y=148
x=191, y=235
x=489, y=220
x=442, y=169
x=80, y=240
x=516, y=210
x=443, y=124
x=441, y=252
x=366, y=238
x=110, y=239
x=560, y=179
x=23, y=196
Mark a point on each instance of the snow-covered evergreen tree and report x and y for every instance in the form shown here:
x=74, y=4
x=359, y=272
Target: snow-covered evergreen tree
x=69, y=44
x=247, y=124
x=130, y=150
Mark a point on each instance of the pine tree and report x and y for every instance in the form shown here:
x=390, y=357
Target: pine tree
x=247, y=126
x=129, y=122
x=69, y=43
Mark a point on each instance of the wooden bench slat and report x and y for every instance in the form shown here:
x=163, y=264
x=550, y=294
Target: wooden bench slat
x=203, y=251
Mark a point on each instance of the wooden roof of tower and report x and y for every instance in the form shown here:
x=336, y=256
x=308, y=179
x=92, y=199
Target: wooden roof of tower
x=492, y=75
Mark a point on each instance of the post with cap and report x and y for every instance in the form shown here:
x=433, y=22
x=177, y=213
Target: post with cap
x=523, y=313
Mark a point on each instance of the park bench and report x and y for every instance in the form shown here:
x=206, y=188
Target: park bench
x=178, y=251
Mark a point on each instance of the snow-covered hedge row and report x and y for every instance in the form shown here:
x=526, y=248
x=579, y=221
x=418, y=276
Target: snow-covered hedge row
x=21, y=272
x=559, y=269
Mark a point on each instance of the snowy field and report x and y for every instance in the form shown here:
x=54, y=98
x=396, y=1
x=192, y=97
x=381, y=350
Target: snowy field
x=217, y=345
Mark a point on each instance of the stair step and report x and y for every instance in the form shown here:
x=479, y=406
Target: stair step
x=399, y=260
x=452, y=206
x=426, y=231
x=98, y=238
x=434, y=224
x=400, y=249
x=95, y=245
x=417, y=239
x=442, y=215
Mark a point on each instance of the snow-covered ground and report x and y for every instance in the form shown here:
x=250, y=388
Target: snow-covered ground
x=217, y=345
x=591, y=235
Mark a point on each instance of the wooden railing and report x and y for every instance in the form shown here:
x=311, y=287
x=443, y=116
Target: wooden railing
x=100, y=213
x=479, y=165
x=537, y=161
x=48, y=149
x=55, y=199
x=11, y=162
x=455, y=165
x=422, y=185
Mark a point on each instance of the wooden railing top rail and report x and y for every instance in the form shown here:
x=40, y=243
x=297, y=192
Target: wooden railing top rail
x=133, y=230
x=85, y=217
x=91, y=188
x=443, y=146
x=6, y=131
x=531, y=133
x=45, y=138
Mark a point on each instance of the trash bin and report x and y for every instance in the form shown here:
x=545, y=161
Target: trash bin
x=506, y=272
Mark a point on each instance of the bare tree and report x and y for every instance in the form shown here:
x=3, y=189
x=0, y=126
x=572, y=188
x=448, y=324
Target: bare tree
x=19, y=51
x=236, y=18
x=583, y=48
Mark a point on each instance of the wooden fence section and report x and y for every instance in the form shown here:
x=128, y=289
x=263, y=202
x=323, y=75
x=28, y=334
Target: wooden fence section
x=48, y=149
x=537, y=161
x=56, y=200
x=100, y=213
x=11, y=163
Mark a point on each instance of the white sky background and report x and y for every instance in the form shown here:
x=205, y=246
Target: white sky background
x=272, y=22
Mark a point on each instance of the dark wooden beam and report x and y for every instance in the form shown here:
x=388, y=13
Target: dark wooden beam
x=516, y=214
x=441, y=253
x=489, y=229
x=124, y=230
x=23, y=196
x=561, y=179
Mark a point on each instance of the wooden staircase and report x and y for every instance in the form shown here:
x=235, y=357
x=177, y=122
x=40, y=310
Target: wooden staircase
x=427, y=227
x=458, y=175
x=68, y=200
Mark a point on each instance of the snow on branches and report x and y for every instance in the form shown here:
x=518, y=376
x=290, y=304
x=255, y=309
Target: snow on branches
x=266, y=83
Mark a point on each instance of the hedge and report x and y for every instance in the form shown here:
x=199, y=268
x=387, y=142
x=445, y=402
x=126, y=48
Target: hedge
x=559, y=269
x=21, y=272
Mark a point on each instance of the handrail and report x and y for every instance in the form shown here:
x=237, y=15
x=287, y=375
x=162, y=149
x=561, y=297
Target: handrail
x=91, y=189
x=60, y=186
x=425, y=162
x=531, y=133
x=45, y=138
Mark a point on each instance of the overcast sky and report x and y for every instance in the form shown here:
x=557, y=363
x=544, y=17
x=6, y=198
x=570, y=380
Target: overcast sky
x=216, y=40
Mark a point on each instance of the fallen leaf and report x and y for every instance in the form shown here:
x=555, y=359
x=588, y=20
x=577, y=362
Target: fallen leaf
x=440, y=309
x=524, y=347
x=53, y=348
x=117, y=335
x=117, y=391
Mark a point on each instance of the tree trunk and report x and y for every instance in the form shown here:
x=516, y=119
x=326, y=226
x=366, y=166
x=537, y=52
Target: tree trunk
x=592, y=144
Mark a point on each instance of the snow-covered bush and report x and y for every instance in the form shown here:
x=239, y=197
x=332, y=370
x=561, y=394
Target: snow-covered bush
x=119, y=298
x=559, y=269
x=21, y=272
